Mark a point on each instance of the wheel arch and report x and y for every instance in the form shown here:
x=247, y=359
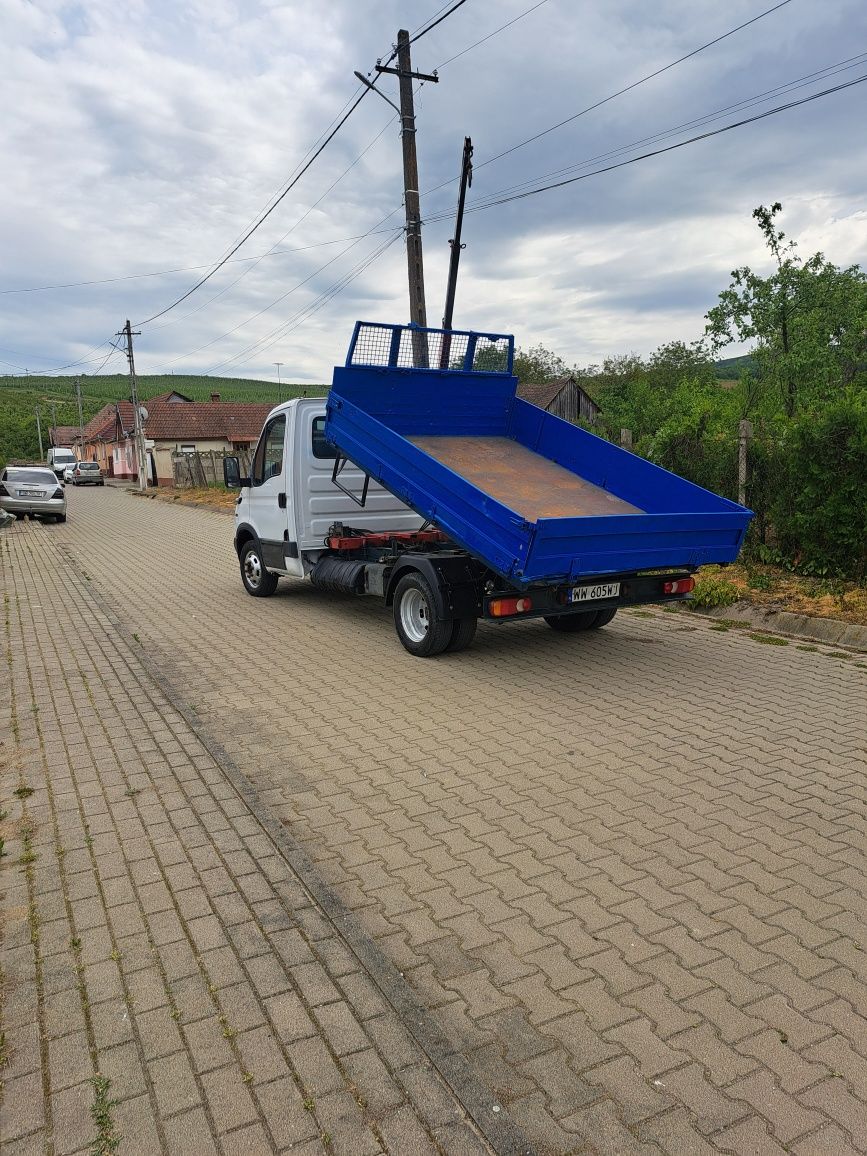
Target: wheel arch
x=244, y=534
x=450, y=576
x=418, y=565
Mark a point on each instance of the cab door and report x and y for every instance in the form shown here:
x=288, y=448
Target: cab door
x=268, y=493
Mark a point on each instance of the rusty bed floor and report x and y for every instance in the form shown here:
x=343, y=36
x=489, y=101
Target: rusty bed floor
x=527, y=483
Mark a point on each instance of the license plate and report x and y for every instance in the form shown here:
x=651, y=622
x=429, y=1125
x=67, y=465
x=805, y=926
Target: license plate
x=31, y=494
x=594, y=593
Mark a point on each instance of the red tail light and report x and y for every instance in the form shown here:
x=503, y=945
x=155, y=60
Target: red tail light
x=681, y=586
x=504, y=607
x=4, y=491
x=58, y=493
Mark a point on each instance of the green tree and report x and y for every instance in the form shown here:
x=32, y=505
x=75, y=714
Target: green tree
x=539, y=364
x=808, y=319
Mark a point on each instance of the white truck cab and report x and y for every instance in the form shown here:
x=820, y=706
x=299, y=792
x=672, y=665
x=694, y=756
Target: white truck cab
x=59, y=458
x=288, y=504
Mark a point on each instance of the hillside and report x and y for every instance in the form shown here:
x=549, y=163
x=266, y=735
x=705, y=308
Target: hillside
x=730, y=368
x=19, y=397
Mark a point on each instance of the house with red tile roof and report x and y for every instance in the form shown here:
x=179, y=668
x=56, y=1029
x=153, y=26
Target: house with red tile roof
x=174, y=424
x=63, y=436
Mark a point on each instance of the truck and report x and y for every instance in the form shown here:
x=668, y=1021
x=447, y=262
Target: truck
x=59, y=458
x=424, y=480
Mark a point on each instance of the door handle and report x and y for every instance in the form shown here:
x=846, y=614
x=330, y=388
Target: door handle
x=281, y=501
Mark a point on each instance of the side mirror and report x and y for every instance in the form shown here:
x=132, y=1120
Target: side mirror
x=232, y=474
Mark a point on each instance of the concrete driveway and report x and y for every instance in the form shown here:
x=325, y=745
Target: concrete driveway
x=621, y=874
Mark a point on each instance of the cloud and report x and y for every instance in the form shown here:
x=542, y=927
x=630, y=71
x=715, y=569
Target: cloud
x=152, y=146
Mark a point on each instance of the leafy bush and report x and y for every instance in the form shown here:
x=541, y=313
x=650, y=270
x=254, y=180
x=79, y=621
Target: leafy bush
x=711, y=590
x=820, y=510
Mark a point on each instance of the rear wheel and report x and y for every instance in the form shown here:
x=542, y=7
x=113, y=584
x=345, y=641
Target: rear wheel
x=257, y=580
x=419, y=626
x=603, y=618
x=463, y=633
x=573, y=623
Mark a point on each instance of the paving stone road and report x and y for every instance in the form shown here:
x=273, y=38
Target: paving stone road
x=621, y=878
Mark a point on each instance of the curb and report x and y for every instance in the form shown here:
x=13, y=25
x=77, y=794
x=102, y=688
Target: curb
x=831, y=631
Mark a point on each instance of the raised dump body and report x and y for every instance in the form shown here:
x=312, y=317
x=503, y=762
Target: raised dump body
x=434, y=417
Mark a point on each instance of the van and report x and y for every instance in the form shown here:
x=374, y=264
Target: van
x=59, y=458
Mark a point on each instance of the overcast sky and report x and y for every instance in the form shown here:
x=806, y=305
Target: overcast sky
x=145, y=137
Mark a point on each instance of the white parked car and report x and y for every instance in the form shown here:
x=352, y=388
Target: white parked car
x=32, y=490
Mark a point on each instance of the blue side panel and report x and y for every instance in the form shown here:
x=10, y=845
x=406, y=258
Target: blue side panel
x=630, y=477
x=464, y=388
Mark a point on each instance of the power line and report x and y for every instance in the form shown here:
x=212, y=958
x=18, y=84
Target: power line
x=269, y=252
x=259, y=313
x=439, y=20
x=635, y=84
x=707, y=118
x=496, y=32
x=294, y=180
x=307, y=311
x=263, y=216
x=490, y=204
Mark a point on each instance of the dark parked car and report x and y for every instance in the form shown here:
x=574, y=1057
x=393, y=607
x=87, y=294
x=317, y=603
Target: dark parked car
x=32, y=490
x=87, y=474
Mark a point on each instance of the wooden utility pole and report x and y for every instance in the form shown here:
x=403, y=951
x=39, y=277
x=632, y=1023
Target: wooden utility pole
x=415, y=265
x=745, y=432
x=80, y=421
x=39, y=434
x=138, y=433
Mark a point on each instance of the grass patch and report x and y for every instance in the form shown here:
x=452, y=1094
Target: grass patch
x=768, y=639
x=107, y=1139
x=837, y=654
x=720, y=627
x=811, y=649
x=23, y=792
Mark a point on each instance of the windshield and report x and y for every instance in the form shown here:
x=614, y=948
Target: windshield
x=61, y=456
x=88, y=466
x=36, y=477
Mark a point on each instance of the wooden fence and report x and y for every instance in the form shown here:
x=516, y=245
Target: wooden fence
x=203, y=468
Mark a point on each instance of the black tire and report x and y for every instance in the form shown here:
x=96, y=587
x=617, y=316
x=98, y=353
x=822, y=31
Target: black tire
x=419, y=627
x=603, y=618
x=258, y=581
x=463, y=633
x=61, y=517
x=573, y=623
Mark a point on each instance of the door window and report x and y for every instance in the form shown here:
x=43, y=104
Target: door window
x=268, y=462
x=321, y=448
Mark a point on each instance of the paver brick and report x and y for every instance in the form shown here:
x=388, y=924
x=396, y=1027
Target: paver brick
x=833, y=1098
x=788, y=1118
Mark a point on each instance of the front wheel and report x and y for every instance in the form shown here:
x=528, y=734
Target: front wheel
x=419, y=626
x=258, y=581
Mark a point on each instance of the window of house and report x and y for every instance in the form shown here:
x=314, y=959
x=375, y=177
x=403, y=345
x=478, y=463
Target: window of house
x=268, y=460
x=188, y=449
x=321, y=448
